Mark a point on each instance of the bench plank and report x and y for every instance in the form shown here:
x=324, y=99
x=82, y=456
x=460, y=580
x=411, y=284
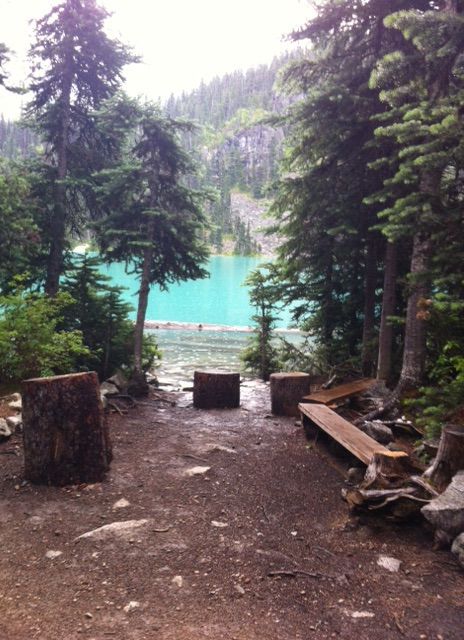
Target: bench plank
x=326, y=396
x=350, y=437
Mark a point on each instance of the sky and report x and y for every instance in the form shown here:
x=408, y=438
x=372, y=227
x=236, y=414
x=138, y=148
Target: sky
x=181, y=41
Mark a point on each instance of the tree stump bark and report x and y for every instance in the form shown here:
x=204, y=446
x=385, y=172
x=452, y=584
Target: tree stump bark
x=66, y=439
x=449, y=459
x=387, y=471
x=287, y=391
x=216, y=389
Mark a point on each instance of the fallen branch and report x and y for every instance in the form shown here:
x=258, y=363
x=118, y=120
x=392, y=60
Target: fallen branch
x=293, y=573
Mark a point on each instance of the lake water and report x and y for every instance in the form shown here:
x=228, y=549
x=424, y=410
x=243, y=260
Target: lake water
x=222, y=299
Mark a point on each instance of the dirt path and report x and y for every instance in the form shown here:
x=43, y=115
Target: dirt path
x=197, y=565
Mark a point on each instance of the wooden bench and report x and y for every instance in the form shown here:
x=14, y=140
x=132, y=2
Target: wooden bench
x=350, y=437
x=328, y=396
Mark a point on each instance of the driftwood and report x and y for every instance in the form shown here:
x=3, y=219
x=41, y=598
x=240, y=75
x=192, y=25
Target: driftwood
x=287, y=391
x=449, y=459
x=65, y=434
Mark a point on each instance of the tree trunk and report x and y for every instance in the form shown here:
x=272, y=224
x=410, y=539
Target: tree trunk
x=449, y=459
x=370, y=279
x=216, y=390
x=287, y=391
x=58, y=221
x=138, y=384
x=388, y=309
x=66, y=439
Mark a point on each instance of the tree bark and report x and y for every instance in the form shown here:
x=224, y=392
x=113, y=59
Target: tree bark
x=388, y=309
x=287, y=391
x=216, y=390
x=370, y=279
x=58, y=221
x=449, y=459
x=138, y=385
x=66, y=439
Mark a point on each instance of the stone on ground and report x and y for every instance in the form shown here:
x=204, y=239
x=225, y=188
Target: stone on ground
x=5, y=431
x=115, y=529
x=378, y=431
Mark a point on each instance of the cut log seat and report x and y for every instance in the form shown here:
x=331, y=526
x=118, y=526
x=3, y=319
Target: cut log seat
x=328, y=396
x=350, y=437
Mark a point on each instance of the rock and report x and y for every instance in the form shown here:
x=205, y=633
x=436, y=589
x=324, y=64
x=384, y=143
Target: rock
x=115, y=529
x=219, y=525
x=355, y=475
x=447, y=511
x=5, y=431
x=14, y=422
x=390, y=564
x=108, y=389
x=16, y=405
x=52, y=554
x=196, y=471
x=239, y=589
x=121, y=504
x=458, y=549
x=378, y=431
x=359, y=614
x=131, y=606
x=178, y=581
x=119, y=380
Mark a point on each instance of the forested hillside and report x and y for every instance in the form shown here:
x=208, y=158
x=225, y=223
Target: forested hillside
x=238, y=149
x=16, y=141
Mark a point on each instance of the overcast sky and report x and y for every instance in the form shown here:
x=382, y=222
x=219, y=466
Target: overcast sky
x=181, y=41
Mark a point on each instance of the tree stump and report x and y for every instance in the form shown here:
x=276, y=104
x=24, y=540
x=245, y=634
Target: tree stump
x=66, y=439
x=216, y=389
x=449, y=459
x=287, y=391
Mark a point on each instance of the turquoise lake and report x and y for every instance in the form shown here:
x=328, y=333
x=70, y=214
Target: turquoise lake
x=221, y=299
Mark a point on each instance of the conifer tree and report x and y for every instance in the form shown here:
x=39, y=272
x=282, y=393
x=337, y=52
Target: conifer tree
x=154, y=223
x=75, y=67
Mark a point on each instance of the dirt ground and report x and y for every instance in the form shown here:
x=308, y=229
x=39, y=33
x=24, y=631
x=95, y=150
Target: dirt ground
x=199, y=562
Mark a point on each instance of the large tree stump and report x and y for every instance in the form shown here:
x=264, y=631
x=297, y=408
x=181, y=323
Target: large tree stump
x=65, y=433
x=449, y=459
x=216, y=389
x=287, y=391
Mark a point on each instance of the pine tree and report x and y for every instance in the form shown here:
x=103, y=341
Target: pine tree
x=155, y=223
x=75, y=67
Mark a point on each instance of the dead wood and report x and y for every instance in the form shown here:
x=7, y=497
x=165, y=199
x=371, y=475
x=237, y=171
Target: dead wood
x=449, y=459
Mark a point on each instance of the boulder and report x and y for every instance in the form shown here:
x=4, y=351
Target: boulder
x=119, y=380
x=378, y=431
x=14, y=422
x=458, y=549
x=5, y=431
x=108, y=389
x=447, y=511
x=15, y=402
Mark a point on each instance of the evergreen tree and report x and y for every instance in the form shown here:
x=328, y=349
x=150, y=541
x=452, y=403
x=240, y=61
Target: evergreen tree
x=155, y=223
x=75, y=67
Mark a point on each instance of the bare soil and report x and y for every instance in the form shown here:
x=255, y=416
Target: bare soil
x=288, y=562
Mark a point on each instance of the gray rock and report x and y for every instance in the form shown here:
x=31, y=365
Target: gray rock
x=355, y=475
x=108, y=389
x=458, y=549
x=16, y=403
x=5, y=431
x=378, y=431
x=447, y=511
x=14, y=422
x=119, y=380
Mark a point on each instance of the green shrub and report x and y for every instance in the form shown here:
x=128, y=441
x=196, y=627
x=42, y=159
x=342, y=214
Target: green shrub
x=30, y=343
x=102, y=316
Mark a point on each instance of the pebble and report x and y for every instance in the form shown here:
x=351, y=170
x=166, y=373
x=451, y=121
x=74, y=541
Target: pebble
x=121, y=504
x=131, y=606
x=52, y=554
x=219, y=525
x=178, y=581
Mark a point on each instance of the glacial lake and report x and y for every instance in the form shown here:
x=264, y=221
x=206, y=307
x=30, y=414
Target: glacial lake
x=220, y=300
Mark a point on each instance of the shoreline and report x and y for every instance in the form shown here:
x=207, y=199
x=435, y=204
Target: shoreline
x=217, y=328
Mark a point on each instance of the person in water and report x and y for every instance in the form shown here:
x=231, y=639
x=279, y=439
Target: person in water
x=200, y=327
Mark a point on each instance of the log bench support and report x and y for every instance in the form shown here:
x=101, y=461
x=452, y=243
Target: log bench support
x=287, y=391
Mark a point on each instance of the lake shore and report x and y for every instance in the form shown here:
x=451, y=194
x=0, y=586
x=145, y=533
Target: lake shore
x=191, y=326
